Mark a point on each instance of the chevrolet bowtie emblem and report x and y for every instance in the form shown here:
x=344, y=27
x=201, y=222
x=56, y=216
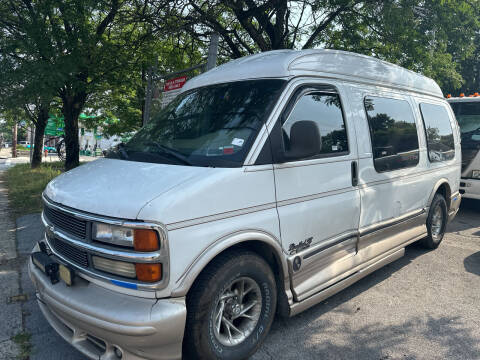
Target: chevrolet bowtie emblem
x=49, y=230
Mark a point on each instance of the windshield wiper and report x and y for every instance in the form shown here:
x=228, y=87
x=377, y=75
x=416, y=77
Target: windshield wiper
x=174, y=153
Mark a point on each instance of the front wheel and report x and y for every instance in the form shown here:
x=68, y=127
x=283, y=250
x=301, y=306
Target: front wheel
x=436, y=222
x=230, y=308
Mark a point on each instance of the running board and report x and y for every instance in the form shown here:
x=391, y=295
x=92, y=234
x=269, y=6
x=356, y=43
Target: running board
x=297, y=308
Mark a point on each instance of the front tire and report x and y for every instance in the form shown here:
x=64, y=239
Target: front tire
x=436, y=222
x=230, y=308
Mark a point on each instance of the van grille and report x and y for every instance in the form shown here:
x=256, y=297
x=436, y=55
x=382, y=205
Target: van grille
x=66, y=222
x=70, y=252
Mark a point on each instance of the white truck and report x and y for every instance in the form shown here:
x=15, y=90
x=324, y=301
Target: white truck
x=467, y=112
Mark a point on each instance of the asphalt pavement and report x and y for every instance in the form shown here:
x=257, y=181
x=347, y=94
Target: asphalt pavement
x=425, y=305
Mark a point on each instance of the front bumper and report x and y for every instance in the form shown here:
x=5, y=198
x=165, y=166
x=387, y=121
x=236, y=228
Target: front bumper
x=470, y=188
x=97, y=321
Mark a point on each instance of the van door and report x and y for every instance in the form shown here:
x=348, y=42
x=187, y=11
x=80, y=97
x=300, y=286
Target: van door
x=393, y=177
x=315, y=155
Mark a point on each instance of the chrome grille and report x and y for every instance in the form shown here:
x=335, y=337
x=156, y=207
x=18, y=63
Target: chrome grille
x=66, y=222
x=72, y=253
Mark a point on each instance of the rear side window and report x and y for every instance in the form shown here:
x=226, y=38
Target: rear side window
x=440, y=143
x=393, y=133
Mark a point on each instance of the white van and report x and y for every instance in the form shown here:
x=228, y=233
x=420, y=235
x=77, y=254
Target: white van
x=269, y=184
x=467, y=112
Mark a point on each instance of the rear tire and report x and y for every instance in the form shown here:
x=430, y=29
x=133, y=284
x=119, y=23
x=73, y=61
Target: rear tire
x=436, y=223
x=224, y=322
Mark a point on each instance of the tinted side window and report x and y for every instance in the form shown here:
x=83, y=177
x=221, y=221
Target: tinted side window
x=393, y=133
x=439, y=132
x=323, y=110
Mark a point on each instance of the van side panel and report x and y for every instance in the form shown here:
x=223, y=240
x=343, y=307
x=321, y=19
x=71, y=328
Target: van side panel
x=394, y=203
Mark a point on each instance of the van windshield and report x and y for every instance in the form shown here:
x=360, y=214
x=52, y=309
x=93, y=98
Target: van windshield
x=209, y=126
x=468, y=117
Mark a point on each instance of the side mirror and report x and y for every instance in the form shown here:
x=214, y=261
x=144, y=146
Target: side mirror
x=305, y=140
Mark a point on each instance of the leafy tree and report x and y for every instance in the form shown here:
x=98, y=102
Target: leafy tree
x=433, y=37
x=248, y=26
x=92, y=46
x=439, y=38
x=24, y=84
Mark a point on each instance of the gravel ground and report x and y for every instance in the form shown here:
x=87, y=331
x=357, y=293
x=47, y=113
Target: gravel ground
x=425, y=305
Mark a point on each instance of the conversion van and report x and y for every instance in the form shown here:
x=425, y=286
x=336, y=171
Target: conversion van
x=467, y=112
x=269, y=184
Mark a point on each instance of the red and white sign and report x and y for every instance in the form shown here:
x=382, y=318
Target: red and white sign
x=174, y=84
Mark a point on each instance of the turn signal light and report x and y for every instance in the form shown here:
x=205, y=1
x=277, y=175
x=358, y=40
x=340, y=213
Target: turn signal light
x=145, y=240
x=149, y=272
x=476, y=94
x=449, y=96
x=462, y=95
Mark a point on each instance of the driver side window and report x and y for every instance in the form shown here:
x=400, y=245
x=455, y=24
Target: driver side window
x=315, y=127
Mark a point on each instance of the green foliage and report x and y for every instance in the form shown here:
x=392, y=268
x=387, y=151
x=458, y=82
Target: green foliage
x=23, y=341
x=433, y=37
x=25, y=186
x=93, y=56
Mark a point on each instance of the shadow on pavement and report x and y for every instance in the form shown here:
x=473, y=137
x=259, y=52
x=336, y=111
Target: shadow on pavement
x=472, y=263
x=320, y=332
x=467, y=218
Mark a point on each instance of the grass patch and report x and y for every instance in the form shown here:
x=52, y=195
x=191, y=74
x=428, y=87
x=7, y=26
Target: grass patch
x=25, y=186
x=23, y=341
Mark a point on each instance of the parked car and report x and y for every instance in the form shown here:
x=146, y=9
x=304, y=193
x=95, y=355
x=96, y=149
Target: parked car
x=269, y=184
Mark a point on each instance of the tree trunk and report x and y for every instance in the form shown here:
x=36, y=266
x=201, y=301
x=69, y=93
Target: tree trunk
x=39, y=132
x=71, y=108
x=14, y=140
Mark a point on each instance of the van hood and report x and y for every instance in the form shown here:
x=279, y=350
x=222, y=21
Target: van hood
x=117, y=188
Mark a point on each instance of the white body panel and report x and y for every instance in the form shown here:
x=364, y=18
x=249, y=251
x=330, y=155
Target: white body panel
x=471, y=188
x=117, y=188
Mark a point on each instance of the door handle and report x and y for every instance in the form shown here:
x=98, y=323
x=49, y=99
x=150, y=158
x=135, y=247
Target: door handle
x=354, y=173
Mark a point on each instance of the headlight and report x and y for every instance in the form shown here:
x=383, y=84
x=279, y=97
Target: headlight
x=476, y=174
x=139, y=239
x=112, y=234
x=143, y=240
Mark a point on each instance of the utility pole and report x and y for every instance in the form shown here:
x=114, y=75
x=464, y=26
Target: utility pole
x=152, y=74
x=213, y=51
x=31, y=127
x=14, y=140
x=148, y=96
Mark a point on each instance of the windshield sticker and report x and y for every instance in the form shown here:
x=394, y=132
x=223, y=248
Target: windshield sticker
x=238, y=142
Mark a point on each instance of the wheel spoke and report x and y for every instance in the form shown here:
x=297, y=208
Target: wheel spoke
x=219, y=316
x=227, y=326
x=231, y=326
x=227, y=295
x=246, y=316
x=248, y=307
x=245, y=292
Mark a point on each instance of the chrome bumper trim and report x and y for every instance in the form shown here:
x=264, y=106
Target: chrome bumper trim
x=141, y=328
